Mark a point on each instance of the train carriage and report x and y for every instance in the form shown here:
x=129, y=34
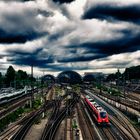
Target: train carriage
x=100, y=115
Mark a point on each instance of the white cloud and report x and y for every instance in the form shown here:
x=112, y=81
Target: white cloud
x=76, y=8
x=120, y=61
x=69, y=30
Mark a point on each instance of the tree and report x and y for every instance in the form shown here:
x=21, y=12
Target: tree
x=132, y=73
x=111, y=77
x=1, y=80
x=21, y=75
x=9, y=76
x=21, y=78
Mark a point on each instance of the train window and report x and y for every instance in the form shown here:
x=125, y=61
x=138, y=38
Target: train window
x=96, y=105
x=87, y=96
x=91, y=100
x=93, y=103
x=103, y=114
x=99, y=108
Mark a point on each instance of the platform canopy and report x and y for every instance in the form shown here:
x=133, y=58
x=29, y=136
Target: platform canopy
x=89, y=78
x=48, y=79
x=70, y=77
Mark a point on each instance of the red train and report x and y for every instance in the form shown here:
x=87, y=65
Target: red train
x=100, y=115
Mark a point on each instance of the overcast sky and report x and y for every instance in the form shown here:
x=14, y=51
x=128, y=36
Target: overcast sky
x=81, y=35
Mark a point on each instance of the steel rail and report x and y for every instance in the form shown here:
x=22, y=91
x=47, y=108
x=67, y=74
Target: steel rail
x=49, y=135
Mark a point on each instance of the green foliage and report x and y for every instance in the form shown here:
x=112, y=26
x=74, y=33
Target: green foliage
x=0, y=75
x=111, y=91
x=21, y=79
x=58, y=90
x=37, y=103
x=98, y=86
x=74, y=124
x=1, y=80
x=132, y=73
x=21, y=75
x=129, y=73
x=114, y=92
x=113, y=77
x=10, y=75
x=10, y=118
x=76, y=88
x=110, y=77
x=17, y=79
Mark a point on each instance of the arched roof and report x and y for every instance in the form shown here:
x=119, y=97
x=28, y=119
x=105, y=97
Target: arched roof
x=88, y=78
x=71, y=77
x=48, y=78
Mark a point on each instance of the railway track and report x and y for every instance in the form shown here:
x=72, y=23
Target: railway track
x=105, y=132
x=5, y=112
x=100, y=133
x=124, y=128
x=119, y=120
x=69, y=130
x=127, y=101
x=7, y=135
x=51, y=128
x=14, y=105
x=28, y=123
x=65, y=130
x=15, y=127
x=87, y=130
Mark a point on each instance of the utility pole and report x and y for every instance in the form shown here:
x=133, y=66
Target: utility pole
x=118, y=83
x=100, y=79
x=124, y=86
x=124, y=92
x=111, y=86
x=32, y=88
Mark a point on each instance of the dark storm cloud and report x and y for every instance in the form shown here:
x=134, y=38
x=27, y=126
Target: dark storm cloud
x=65, y=12
x=31, y=60
x=63, y=1
x=128, y=43
x=62, y=67
x=45, y=13
x=55, y=36
x=117, y=64
x=108, y=48
x=77, y=59
x=77, y=53
x=111, y=12
x=22, y=25
x=1, y=56
x=19, y=57
x=10, y=37
x=59, y=34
